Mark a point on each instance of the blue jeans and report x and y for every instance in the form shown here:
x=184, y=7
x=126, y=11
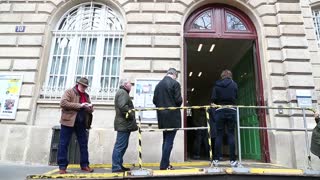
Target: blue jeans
x=168, y=138
x=225, y=118
x=119, y=149
x=65, y=136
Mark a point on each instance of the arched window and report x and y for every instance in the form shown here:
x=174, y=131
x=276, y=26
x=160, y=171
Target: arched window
x=234, y=23
x=204, y=21
x=316, y=21
x=219, y=21
x=86, y=43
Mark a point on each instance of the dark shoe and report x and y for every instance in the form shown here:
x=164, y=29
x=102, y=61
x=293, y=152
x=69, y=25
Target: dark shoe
x=168, y=168
x=87, y=169
x=125, y=169
x=62, y=171
x=118, y=171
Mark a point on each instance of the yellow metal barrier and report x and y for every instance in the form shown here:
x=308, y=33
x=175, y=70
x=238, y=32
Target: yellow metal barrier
x=207, y=107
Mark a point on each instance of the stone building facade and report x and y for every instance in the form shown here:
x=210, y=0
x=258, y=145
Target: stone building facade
x=152, y=35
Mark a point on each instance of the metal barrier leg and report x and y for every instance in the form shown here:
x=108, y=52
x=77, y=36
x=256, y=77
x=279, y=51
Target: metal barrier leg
x=239, y=143
x=140, y=144
x=239, y=168
x=306, y=139
x=211, y=169
x=209, y=135
x=140, y=171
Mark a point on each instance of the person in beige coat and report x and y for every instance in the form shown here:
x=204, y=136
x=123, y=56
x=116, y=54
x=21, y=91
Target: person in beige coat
x=75, y=104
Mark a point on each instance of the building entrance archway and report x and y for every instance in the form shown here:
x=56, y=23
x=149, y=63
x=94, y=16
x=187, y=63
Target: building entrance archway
x=218, y=37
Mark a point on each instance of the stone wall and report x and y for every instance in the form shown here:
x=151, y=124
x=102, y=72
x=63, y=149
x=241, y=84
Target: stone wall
x=153, y=43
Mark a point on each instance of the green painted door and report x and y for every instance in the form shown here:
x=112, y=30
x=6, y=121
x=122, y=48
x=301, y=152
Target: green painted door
x=243, y=74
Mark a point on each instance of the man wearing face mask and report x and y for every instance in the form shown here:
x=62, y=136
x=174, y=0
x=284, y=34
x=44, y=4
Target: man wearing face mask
x=168, y=94
x=75, y=103
x=124, y=126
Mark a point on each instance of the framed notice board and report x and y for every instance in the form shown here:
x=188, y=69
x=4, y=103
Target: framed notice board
x=10, y=87
x=143, y=96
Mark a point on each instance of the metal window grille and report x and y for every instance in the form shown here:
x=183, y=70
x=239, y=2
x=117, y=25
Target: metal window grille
x=316, y=21
x=86, y=43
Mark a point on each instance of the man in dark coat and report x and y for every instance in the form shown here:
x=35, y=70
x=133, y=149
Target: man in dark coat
x=122, y=125
x=225, y=92
x=168, y=94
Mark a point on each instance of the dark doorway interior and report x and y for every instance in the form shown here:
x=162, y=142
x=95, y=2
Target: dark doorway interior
x=233, y=54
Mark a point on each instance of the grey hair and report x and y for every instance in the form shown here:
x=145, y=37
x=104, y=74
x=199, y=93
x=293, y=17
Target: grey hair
x=124, y=81
x=172, y=71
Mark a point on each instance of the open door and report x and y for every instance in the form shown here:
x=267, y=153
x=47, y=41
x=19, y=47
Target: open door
x=218, y=37
x=244, y=75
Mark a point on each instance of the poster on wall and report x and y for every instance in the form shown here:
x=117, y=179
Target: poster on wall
x=10, y=86
x=143, y=96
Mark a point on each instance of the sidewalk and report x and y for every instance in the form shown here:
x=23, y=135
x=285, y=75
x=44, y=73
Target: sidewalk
x=183, y=171
x=16, y=171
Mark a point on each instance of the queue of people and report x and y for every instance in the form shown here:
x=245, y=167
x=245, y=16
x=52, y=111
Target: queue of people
x=77, y=111
x=77, y=108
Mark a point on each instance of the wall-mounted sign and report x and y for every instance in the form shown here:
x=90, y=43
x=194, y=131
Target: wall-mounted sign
x=143, y=98
x=20, y=28
x=10, y=86
x=304, y=98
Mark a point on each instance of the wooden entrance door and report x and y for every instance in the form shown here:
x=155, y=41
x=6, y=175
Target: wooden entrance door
x=244, y=75
x=220, y=21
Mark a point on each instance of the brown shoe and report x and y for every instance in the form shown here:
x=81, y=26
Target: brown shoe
x=87, y=169
x=62, y=171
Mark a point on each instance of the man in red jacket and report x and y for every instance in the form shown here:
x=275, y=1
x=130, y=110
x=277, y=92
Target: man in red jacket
x=75, y=103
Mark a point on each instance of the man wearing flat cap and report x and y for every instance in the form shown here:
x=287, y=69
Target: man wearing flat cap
x=76, y=105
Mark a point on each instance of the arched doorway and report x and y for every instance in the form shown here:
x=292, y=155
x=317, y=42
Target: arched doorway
x=218, y=37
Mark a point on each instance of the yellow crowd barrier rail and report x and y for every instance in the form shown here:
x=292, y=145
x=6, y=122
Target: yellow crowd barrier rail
x=236, y=107
x=216, y=106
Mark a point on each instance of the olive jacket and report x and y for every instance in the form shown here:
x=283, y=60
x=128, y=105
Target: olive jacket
x=122, y=104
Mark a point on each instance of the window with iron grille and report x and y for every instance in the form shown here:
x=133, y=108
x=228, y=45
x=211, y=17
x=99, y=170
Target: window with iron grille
x=86, y=43
x=316, y=21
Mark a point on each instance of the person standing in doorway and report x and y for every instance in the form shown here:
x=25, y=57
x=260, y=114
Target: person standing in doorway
x=201, y=135
x=75, y=103
x=124, y=126
x=225, y=92
x=168, y=94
